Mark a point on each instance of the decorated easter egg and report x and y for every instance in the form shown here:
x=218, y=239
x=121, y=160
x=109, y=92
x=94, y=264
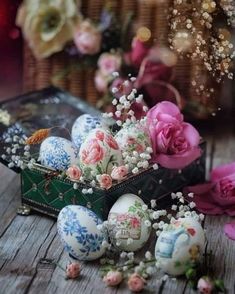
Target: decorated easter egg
x=180, y=244
x=77, y=228
x=133, y=138
x=99, y=153
x=58, y=153
x=83, y=125
x=128, y=223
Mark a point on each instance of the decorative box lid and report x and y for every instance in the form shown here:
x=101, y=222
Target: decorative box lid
x=49, y=107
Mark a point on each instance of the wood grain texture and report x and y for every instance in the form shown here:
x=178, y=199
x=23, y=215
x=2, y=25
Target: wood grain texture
x=25, y=240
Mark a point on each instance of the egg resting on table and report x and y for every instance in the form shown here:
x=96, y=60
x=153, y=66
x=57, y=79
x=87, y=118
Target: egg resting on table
x=77, y=228
x=126, y=220
x=179, y=245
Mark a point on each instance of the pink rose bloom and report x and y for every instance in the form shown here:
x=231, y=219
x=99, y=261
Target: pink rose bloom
x=119, y=173
x=73, y=270
x=218, y=195
x=137, y=54
x=74, y=172
x=93, y=153
x=113, y=278
x=109, y=63
x=99, y=135
x=111, y=142
x=87, y=38
x=205, y=285
x=101, y=82
x=135, y=222
x=105, y=181
x=175, y=143
x=136, y=283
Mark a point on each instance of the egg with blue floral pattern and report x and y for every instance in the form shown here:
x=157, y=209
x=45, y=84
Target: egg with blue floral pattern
x=83, y=125
x=77, y=228
x=99, y=153
x=58, y=153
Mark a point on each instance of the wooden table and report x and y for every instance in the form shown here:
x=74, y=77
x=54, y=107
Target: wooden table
x=24, y=240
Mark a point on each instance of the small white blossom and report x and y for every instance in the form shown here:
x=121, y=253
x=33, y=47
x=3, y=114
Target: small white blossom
x=75, y=186
x=123, y=254
x=150, y=270
x=147, y=223
x=192, y=204
x=144, y=207
x=135, y=170
x=173, y=195
x=155, y=226
x=148, y=255
x=145, y=108
x=105, y=244
x=119, y=123
x=155, y=166
x=130, y=255
x=149, y=149
x=201, y=216
x=90, y=191
x=191, y=195
x=153, y=203
x=174, y=207
x=156, y=215
x=114, y=102
x=115, y=74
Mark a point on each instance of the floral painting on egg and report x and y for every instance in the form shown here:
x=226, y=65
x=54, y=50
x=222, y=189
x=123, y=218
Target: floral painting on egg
x=58, y=153
x=99, y=154
x=133, y=139
x=83, y=125
x=79, y=239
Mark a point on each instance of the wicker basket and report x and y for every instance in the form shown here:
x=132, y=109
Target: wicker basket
x=153, y=14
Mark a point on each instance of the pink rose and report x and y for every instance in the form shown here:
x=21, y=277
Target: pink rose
x=93, y=153
x=73, y=270
x=136, y=283
x=101, y=82
x=109, y=63
x=137, y=54
x=87, y=38
x=205, y=285
x=111, y=142
x=135, y=222
x=74, y=172
x=119, y=173
x=218, y=195
x=99, y=135
x=175, y=143
x=113, y=278
x=105, y=181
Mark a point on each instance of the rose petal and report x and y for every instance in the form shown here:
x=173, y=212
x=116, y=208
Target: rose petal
x=222, y=171
x=229, y=230
x=191, y=134
x=177, y=161
x=204, y=198
x=165, y=107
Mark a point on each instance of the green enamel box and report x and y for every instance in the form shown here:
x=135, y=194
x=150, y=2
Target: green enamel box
x=45, y=191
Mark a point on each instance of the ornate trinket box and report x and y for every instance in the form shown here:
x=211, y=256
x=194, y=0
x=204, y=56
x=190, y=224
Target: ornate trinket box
x=47, y=191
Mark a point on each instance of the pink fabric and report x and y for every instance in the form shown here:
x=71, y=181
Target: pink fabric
x=217, y=196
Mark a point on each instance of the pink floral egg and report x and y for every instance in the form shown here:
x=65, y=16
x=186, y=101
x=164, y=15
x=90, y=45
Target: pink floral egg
x=99, y=153
x=133, y=138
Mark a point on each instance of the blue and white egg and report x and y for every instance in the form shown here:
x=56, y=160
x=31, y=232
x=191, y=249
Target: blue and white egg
x=83, y=125
x=77, y=228
x=58, y=153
